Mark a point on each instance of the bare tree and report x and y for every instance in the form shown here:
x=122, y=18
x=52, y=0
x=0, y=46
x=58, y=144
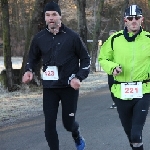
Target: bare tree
x=81, y=15
x=124, y=6
x=96, y=34
x=6, y=44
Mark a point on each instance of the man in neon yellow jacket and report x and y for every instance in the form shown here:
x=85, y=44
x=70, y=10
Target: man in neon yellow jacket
x=126, y=55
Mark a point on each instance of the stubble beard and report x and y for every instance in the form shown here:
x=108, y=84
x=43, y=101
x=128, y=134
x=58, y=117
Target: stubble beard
x=51, y=27
x=136, y=29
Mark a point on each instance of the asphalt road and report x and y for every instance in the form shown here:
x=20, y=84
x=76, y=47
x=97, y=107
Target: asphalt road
x=99, y=125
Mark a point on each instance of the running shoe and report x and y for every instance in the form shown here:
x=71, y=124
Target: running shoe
x=80, y=143
x=113, y=106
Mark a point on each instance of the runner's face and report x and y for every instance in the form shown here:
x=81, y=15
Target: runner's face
x=53, y=19
x=133, y=23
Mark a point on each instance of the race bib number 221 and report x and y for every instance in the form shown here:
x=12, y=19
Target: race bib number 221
x=131, y=90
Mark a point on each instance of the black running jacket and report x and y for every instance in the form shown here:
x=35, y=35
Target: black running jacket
x=64, y=50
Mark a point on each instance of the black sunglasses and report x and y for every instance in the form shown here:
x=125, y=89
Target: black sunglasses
x=130, y=18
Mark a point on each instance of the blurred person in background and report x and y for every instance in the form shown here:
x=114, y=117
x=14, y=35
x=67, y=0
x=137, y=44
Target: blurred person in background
x=111, y=78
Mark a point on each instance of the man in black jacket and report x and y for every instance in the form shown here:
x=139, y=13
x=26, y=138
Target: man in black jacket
x=66, y=63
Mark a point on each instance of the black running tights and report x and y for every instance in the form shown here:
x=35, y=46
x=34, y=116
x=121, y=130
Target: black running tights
x=110, y=84
x=132, y=114
x=51, y=98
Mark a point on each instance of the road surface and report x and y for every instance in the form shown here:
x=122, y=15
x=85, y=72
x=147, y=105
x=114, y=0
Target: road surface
x=99, y=125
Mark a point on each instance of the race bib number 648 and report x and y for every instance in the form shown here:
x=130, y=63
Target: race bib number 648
x=131, y=90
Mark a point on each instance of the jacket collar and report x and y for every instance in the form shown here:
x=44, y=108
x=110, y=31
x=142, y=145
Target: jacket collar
x=130, y=39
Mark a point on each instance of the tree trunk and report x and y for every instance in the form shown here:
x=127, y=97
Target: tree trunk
x=81, y=5
x=124, y=6
x=6, y=44
x=96, y=34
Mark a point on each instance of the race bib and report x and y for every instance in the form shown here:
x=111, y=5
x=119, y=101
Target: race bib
x=51, y=73
x=131, y=90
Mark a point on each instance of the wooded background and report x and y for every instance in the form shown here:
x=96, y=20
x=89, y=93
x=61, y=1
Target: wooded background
x=21, y=11
x=92, y=19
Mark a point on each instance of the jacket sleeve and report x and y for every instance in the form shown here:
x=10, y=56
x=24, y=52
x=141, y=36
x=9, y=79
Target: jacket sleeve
x=34, y=56
x=84, y=57
x=106, y=57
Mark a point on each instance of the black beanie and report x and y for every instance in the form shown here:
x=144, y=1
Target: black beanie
x=52, y=6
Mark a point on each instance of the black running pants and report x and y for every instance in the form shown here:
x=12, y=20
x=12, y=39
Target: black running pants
x=51, y=98
x=110, y=83
x=132, y=114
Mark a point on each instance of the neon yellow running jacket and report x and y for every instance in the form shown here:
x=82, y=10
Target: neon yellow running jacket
x=132, y=54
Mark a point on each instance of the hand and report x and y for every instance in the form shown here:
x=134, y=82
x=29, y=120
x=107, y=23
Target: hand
x=75, y=83
x=27, y=77
x=117, y=71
